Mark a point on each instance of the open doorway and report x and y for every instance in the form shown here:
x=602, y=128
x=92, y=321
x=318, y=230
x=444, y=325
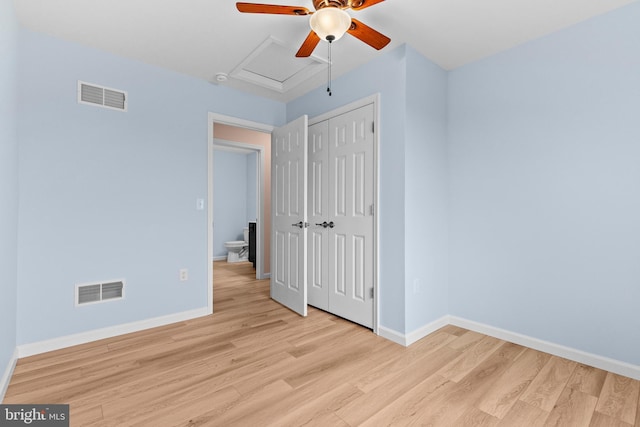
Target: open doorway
x=236, y=201
x=230, y=134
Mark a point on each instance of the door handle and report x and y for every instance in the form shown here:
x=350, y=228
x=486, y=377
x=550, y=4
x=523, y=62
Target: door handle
x=323, y=224
x=301, y=224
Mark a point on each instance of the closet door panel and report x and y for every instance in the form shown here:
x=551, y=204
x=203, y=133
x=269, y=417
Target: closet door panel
x=289, y=215
x=351, y=183
x=318, y=210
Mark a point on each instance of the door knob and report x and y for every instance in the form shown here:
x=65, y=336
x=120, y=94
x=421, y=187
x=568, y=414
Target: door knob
x=323, y=225
x=331, y=224
x=299, y=224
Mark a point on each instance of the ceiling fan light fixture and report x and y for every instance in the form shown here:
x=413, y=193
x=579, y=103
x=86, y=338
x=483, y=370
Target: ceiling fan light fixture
x=330, y=23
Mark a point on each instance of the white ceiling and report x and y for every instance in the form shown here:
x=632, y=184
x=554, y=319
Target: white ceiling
x=204, y=37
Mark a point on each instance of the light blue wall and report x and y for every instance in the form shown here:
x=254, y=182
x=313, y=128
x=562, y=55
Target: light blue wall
x=8, y=185
x=107, y=195
x=426, y=193
x=413, y=244
x=230, y=206
x=545, y=193
x=540, y=145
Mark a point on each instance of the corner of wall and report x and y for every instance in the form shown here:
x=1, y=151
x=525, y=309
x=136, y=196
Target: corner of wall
x=9, y=34
x=6, y=376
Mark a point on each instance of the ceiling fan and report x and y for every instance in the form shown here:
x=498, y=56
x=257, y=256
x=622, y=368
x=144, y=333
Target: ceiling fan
x=329, y=22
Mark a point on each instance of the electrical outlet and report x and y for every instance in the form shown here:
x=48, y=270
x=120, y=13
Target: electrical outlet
x=184, y=274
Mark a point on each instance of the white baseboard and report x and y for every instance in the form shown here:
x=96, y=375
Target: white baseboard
x=601, y=362
x=427, y=329
x=407, y=339
x=605, y=363
x=31, y=349
x=392, y=335
x=8, y=372
x=220, y=258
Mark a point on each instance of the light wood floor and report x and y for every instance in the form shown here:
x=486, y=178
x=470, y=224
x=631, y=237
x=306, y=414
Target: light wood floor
x=254, y=363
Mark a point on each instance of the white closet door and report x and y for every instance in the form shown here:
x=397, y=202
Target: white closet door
x=318, y=210
x=289, y=215
x=351, y=196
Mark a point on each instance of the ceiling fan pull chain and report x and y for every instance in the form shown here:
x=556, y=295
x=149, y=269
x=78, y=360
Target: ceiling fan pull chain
x=329, y=68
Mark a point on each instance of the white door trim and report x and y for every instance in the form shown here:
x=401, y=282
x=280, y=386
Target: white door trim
x=247, y=124
x=375, y=100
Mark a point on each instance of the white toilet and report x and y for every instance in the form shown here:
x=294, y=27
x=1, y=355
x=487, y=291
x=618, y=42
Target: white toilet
x=238, y=250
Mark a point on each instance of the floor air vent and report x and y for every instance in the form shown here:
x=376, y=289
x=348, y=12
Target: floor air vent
x=99, y=292
x=91, y=94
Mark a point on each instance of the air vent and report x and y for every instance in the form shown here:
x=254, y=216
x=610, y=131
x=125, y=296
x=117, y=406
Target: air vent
x=91, y=94
x=99, y=292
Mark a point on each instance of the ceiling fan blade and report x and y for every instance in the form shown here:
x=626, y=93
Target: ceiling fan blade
x=309, y=45
x=368, y=35
x=363, y=4
x=272, y=9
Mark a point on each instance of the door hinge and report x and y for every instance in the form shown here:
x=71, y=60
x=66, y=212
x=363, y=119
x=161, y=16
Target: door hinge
x=373, y=127
x=371, y=212
x=371, y=293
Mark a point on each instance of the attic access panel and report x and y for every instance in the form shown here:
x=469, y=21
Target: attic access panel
x=273, y=65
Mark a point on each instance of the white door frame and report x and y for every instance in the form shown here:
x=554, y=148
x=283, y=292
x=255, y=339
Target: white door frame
x=246, y=124
x=234, y=121
x=375, y=100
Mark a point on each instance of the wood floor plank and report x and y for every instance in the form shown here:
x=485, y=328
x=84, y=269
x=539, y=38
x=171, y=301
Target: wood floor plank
x=638, y=413
x=546, y=388
x=217, y=401
x=511, y=350
x=587, y=379
x=406, y=409
x=523, y=414
x=466, y=340
x=476, y=418
x=574, y=408
x=619, y=398
x=173, y=388
x=393, y=386
x=501, y=397
x=395, y=366
x=87, y=415
x=460, y=367
x=453, y=330
x=321, y=410
x=466, y=393
x=602, y=420
x=255, y=363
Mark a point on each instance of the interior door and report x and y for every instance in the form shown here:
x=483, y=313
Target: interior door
x=351, y=215
x=289, y=215
x=318, y=244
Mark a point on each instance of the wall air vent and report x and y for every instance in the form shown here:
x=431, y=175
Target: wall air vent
x=91, y=94
x=99, y=292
